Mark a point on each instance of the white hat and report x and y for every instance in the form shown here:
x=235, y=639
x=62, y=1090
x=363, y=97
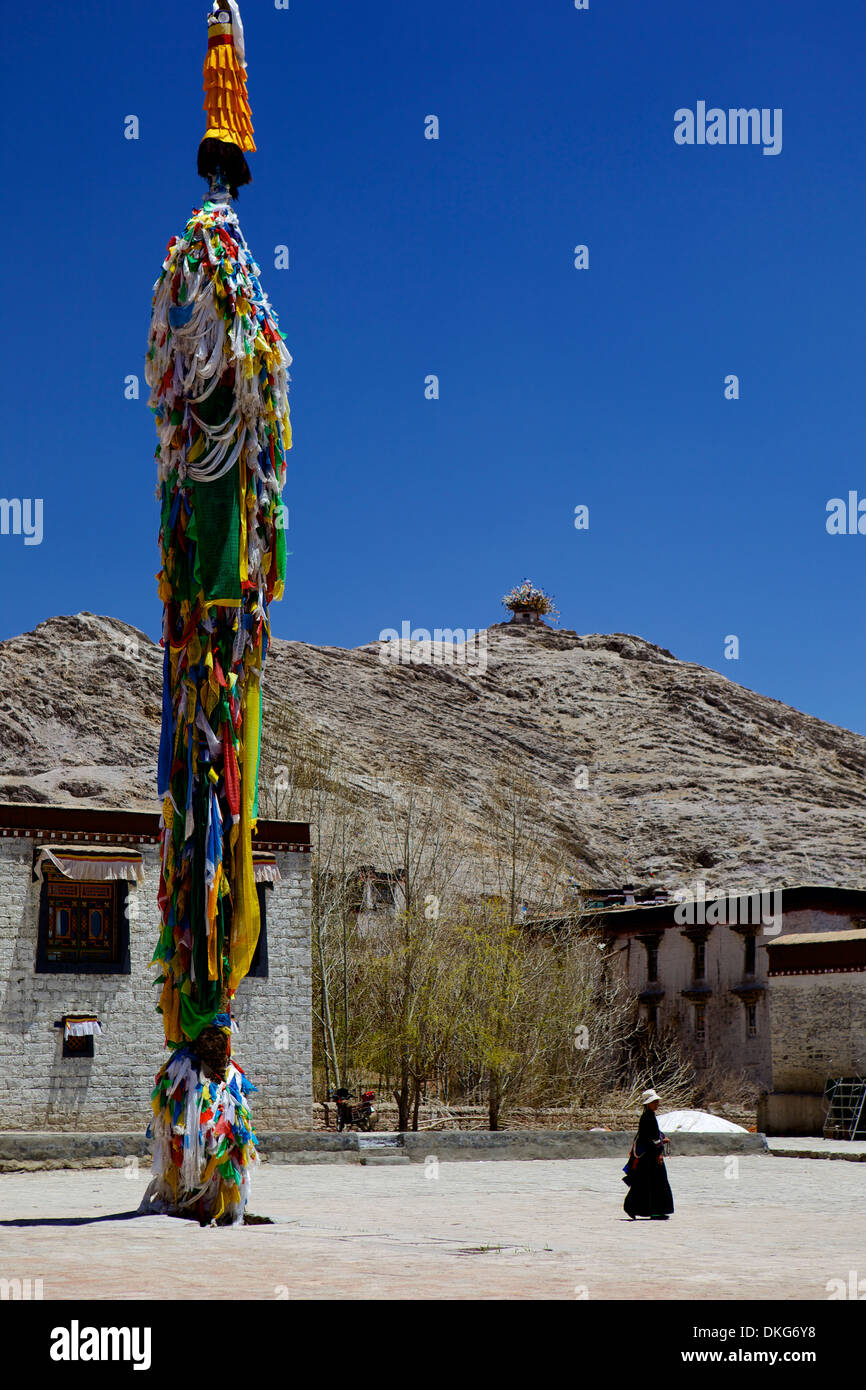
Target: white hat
x=649, y=1096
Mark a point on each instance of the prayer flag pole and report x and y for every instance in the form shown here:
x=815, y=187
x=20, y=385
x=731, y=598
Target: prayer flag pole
x=217, y=367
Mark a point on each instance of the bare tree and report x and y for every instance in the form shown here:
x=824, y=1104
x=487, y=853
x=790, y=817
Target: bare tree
x=417, y=846
x=304, y=777
x=481, y=970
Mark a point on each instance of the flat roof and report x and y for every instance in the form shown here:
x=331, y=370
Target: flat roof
x=816, y=938
x=105, y=823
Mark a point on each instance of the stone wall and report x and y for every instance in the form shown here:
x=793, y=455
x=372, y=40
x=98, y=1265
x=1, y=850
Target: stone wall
x=42, y=1090
x=818, y=1025
x=274, y=1016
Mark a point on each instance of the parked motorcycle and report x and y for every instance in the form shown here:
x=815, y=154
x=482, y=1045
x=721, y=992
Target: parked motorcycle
x=354, y=1114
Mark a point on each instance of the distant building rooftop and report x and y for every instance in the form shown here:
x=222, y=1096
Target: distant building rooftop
x=640, y=916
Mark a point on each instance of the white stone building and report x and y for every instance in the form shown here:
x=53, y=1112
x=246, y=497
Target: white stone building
x=79, y=922
x=701, y=965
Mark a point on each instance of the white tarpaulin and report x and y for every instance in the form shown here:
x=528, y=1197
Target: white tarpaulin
x=696, y=1122
x=83, y=1028
x=99, y=863
x=265, y=868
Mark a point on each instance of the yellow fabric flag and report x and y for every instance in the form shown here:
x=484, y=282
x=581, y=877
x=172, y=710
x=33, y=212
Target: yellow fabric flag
x=242, y=509
x=169, y=1002
x=246, y=921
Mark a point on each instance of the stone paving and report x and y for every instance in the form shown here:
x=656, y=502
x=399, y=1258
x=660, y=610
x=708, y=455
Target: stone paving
x=751, y=1227
x=853, y=1150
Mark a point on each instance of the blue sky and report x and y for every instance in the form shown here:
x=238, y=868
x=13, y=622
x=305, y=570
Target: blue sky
x=410, y=257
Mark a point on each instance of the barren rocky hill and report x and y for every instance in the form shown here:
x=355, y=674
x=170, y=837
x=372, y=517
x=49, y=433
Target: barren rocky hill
x=685, y=774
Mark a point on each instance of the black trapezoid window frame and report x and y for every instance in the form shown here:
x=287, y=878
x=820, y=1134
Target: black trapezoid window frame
x=750, y=954
x=259, y=965
x=83, y=926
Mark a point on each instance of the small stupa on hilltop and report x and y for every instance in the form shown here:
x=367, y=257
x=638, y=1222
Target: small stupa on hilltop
x=529, y=605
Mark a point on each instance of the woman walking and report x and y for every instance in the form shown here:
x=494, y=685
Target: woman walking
x=649, y=1192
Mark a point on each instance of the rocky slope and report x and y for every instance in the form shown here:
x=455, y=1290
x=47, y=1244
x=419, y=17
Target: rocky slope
x=687, y=775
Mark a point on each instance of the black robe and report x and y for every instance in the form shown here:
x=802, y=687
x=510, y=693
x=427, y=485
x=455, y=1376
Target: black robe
x=649, y=1193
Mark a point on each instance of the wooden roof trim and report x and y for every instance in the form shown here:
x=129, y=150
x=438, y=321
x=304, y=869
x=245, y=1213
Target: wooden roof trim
x=109, y=826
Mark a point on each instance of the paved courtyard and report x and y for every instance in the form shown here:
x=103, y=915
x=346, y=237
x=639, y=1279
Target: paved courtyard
x=756, y=1227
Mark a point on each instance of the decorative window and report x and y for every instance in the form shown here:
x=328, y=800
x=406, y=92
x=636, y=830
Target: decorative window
x=750, y=955
x=83, y=925
x=79, y=1030
x=381, y=893
x=700, y=1023
x=751, y=1020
